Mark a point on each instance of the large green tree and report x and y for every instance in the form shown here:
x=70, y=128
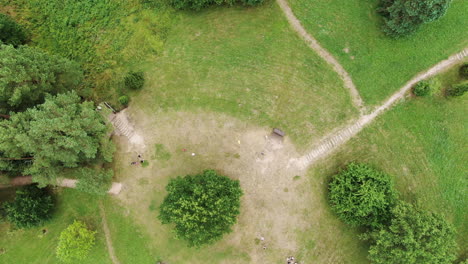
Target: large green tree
x=75, y=242
x=28, y=74
x=362, y=196
x=11, y=33
x=202, y=207
x=413, y=237
x=61, y=133
x=403, y=17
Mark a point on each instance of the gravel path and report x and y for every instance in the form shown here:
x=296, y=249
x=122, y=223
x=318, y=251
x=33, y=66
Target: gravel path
x=313, y=44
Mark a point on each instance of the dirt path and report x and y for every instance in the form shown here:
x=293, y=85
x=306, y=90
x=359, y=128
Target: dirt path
x=332, y=142
x=313, y=44
x=110, y=248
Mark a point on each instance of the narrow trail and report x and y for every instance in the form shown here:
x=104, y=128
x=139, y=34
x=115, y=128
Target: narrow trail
x=314, y=45
x=110, y=248
x=332, y=142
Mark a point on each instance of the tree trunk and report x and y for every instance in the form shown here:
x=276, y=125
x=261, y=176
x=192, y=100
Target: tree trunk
x=5, y=116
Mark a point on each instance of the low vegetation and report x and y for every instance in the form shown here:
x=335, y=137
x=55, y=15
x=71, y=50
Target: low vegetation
x=75, y=242
x=94, y=181
x=199, y=4
x=202, y=207
x=422, y=88
x=134, y=80
x=458, y=89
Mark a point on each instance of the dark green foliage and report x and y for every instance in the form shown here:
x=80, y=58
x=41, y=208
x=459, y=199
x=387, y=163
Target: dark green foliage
x=61, y=133
x=413, y=237
x=94, y=181
x=362, y=196
x=124, y=100
x=11, y=33
x=28, y=74
x=403, y=17
x=31, y=207
x=457, y=89
x=464, y=71
x=135, y=80
x=422, y=88
x=202, y=207
x=199, y=4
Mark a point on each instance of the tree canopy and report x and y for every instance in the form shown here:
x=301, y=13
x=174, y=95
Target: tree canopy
x=11, y=33
x=63, y=132
x=31, y=207
x=28, y=74
x=403, y=17
x=413, y=237
x=75, y=242
x=202, y=207
x=362, y=196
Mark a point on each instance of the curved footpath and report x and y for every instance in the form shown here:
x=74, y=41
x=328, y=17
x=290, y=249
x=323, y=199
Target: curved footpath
x=332, y=142
x=313, y=44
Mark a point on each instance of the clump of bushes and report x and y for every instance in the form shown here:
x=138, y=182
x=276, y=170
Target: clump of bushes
x=199, y=4
x=422, y=88
x=134, y=80
x=75, y=242
x=457, y=89
x=362, y=196
x=124, y=100
x=403, y=17
x=464, y=71
x=11, y=33
x=32, y=206
x=94, y=181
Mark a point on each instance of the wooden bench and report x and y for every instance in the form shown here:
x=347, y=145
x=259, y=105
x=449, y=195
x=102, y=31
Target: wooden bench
x=278, y=132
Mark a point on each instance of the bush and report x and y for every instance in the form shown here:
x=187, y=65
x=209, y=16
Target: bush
x=11, y=33
x=457, y=89
x=403, y=17
x=362, y=196
x=422, y=88
x=124, y=100
x=31, y=207
x=464, y=71
x=75, y=242
x=135, y=80
x=413, y=237
x=94, y=181
x=202, y=207
x=199, y=4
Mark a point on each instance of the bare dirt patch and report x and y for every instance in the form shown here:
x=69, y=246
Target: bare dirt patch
x=272, y=205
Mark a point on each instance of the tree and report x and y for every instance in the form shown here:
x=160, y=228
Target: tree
x=75, y=242
x=94, y=181
x=11, y=33
x=457, y=89
x=403, y=17
x=31, y=207
x=63, y=132
x=413, y=237
x=362, y=196
x=464, y=71
x=27, y=75
x=202, y=207
x=422, y=88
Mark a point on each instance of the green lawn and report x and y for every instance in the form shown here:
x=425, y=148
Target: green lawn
x=247, y=63
x=422, y=144
x=380, y=65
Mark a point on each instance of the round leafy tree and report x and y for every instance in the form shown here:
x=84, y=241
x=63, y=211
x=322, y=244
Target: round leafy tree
x=362, y=196
x=135, y=80
x=422, y=88
x=11, y=33
x=413, y=237
x=202, y=207
x=31, y=207
x=75, y=242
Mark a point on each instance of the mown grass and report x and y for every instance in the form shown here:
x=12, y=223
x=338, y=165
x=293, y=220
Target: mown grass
x=247, y=63
x=378, y=64
x=422, y=144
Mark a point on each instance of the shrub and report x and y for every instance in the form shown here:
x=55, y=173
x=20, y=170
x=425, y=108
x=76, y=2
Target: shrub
x=199, y=4
x=135, y=80
x=457, y=89
x=202, y=207
x=94, y=181
x=31, y=207
x=422, y=88
x=75, y=242
x=11, y=33
x=252, y=2
x=413, y=237
x=403, y=17
x=124, y=100
x=362, y=196
x=464, y=71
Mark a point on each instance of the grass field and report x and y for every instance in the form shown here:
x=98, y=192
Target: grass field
x=422, y=144
x=380, y=65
